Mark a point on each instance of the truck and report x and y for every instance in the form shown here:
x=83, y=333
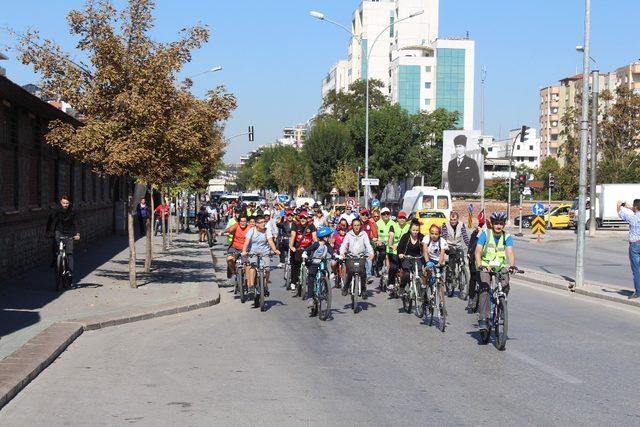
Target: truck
x=431, y=198
x=607, y=196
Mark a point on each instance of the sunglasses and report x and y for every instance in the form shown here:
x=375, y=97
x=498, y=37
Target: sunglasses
x=386, y=214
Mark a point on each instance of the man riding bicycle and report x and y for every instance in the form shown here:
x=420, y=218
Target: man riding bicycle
x=238, y=233
x=62, y=225
x=455, y=233
x=356, y=244
x=285, y=226
x=494, y=252
x=302, y=236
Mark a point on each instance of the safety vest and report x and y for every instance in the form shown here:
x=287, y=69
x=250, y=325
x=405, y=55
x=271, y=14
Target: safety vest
x=230, y=236
x=403, y=230
x=494, y=255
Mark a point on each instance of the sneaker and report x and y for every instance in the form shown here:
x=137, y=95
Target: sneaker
x=293, y=286
x=369, y=280
x=266, y=292
x=310, y=303
x=365, y=295
x=634, y=295
x=482, y=325
x=345, y=291
x=280, y=265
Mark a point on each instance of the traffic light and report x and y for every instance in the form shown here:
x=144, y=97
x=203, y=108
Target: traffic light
x=522, y=182
x=552, y=181
x=251, y=138
x=523, y=133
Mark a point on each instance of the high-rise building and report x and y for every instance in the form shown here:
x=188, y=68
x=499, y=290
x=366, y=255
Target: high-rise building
x=337, y=79
x=294, y=136
x=525, y=153
x=419, y=70
x=629, y=75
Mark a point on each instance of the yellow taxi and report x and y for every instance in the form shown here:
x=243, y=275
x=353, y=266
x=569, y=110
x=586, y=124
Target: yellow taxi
x=559, y=216
x=427, y=217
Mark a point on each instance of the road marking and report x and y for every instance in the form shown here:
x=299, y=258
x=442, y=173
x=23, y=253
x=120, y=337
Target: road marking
x=545, y=368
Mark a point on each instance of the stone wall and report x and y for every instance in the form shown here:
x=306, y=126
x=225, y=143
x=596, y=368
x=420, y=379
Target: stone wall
x=33, y=176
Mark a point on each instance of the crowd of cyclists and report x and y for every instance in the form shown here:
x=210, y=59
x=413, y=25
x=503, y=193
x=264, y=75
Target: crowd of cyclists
x=387, y=244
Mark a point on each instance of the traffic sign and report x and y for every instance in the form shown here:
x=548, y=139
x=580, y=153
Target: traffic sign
x=282, y=198
x=538, y=225
x=370, y=181
x=470, y=208
x=375, y=203
x=537, y=209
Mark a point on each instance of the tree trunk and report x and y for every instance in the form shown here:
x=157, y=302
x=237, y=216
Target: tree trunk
x=171, y=221
x=150, y=225
x=164, y=221
x=132, y=245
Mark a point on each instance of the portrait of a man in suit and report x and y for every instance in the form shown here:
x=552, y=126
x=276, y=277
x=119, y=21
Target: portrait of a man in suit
x=463, y=174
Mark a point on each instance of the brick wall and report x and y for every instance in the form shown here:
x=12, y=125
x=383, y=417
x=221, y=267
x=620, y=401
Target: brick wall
x=33, y=176
x=462, y=205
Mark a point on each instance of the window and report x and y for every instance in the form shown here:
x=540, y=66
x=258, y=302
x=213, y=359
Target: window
x=532, y=159
x=518, y=147
x=427, y=85
x=427, y=69
x=443, y=203
x=531, y=148
x=490, y=149
x=427, y=102
x=554, y=137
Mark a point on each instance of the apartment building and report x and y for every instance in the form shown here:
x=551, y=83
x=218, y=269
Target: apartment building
x=419, y=70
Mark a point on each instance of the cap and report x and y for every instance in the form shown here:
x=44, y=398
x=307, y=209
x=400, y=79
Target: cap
x=364, y=211
x=289, y=212
x=402, y=214
x=385, y=210
x=303, y=214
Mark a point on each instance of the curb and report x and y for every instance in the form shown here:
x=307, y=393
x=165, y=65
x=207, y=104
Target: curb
x=562, y=284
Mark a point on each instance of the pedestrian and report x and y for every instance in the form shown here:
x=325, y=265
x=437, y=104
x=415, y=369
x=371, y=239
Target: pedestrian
x=202, y=222
x=142, y=211
x=632, y=217
x=162, y=211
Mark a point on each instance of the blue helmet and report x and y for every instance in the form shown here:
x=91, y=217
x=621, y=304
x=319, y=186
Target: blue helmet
x=498, y=217
x=324, y=231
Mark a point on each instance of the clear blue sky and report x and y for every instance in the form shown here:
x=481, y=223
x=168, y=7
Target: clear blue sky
x=274, y=55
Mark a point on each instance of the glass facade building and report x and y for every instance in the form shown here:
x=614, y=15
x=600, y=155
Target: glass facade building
x=450, y=80
x=409, y=88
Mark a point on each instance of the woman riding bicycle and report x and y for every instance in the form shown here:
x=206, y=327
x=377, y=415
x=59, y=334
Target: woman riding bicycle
x=356, y=244
x=302, y=236
x=435, y=248
x=410, y=245
x=318, y=251
x=259, y=241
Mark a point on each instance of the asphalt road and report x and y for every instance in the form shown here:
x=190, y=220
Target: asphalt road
x=606, y=257
x=569, y=361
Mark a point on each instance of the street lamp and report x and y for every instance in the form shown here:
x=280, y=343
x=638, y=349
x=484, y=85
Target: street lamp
x=211, y=70
x=321, y=16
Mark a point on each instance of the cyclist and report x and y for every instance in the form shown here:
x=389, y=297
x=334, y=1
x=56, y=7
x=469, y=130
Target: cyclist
x=342, y=228
x=393, y=238
x=238, y=232
x=473, y=276
x=403, y=224
x=62, y=225
x=318, y=251
x=319, y=218
x=369, y=227
x=259, y=241
x=494, y=252
x=285, y=226
x=435, y=248
x=455, y=233
x=302, y=236
x=410, y=244
x=356, y=244
x=348, y=214
x=383, y=226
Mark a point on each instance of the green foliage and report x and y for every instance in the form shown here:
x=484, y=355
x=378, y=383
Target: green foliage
x=430, y=129
x=345, y=177
x=275, y=167
x=498, y=190
x=328, y=144
x=343, y=106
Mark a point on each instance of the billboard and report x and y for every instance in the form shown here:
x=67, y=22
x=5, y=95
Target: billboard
x=461, y=157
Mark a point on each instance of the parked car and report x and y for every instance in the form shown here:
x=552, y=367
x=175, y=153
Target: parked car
x=559, y=217
x=427, y=217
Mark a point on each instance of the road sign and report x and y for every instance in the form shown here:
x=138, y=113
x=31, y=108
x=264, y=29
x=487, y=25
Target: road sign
x=538, y=225
x=370, y=181
x=282, y=198
x=375, y=203
x=537, y=209
x=470, y=208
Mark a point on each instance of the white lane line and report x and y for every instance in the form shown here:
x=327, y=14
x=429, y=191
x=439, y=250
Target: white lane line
x=544, y=367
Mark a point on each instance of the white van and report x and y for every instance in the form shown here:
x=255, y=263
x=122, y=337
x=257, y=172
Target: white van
x=427, y=198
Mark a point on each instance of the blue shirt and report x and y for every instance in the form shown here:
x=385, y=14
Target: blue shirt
x=482, y=239
x=634, y=223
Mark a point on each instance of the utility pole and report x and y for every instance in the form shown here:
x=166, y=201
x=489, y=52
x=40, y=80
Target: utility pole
x=584, y=141
x=594, y=152
x=483, y=78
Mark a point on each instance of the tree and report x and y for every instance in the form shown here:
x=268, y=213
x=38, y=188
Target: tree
x=430, y=129
x=290, y=169
x=343, y=106
x=137, y=122
x=344, y=177
x=328, y=143
x=619, y=139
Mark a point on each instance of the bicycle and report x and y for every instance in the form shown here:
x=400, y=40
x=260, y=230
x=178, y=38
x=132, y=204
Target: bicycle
x=287, y=269
x=456, y=274
x=240, y=285
x=498, y=311
x=435, y=307
x=301, y=285
x=380, y=268
x=259, y=287
x=356, y=282
x=64, y=276
x=322, y=293
x=339, y=277
x=211, y=240
x=414, y=296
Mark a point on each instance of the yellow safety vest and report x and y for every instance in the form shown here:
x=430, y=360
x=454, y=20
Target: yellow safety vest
x=494, y=256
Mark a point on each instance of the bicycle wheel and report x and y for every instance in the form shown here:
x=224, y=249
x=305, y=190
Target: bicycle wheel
x=287, y=275
x=449, y=283
x=262, y=291
x=432, y=306
x=324, y=300
x=240, y=279
x=502, y=324
x=463, y=283
x=67, y=279
x=302, y=282
x=58, y=273
x=443, y=315
x=419, y=307
x=354, y=295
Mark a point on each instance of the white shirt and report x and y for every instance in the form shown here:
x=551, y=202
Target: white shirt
x=434, y=248
x=348, y=217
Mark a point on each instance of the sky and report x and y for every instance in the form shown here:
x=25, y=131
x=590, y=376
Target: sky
x=274, y=55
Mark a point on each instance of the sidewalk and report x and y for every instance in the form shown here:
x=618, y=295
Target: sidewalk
x=29, y=304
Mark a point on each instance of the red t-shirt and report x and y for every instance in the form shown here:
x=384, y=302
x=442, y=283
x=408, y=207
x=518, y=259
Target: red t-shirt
x=371, y=229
